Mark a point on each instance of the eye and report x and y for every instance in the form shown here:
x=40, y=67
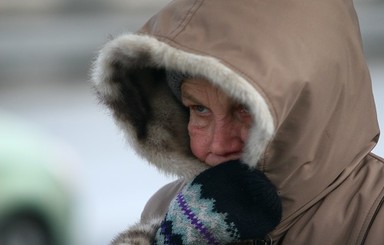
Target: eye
x=199, y=109
x=243, y=113
x=244, y=109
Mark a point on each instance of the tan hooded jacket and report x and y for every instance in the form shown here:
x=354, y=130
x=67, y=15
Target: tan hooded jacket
x=299, y=67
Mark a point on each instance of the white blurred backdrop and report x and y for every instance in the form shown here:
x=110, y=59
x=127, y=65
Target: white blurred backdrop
x=46, y=48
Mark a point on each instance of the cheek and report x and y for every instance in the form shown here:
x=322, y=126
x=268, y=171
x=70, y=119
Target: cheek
x=199, y=142
x=244, y=132
x=244, y=127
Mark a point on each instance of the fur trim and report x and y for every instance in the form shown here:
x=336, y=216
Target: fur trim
x=139, y=234
x=115, y=74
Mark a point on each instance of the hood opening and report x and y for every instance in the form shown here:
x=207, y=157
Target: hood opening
x=130, y=78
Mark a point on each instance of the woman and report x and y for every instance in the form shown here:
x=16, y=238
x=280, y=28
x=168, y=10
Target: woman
x=297, y=69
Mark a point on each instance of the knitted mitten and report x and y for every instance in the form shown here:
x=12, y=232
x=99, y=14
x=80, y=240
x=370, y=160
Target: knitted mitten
x=224, y=204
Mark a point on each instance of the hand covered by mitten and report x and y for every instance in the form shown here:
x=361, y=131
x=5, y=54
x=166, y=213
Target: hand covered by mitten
x=226, y=203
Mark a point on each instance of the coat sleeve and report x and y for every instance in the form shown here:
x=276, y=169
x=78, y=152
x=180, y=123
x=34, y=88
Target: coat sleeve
x=143, y=232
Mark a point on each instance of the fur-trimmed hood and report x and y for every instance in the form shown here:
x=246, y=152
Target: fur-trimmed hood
x=297, y=65
x=130, y=78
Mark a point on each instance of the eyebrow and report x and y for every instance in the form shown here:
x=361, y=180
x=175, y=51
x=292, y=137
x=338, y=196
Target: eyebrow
x=188, y=96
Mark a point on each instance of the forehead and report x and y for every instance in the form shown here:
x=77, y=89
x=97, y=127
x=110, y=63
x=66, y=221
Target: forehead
x=202, y=91
x=196, y=83
x=200, y=87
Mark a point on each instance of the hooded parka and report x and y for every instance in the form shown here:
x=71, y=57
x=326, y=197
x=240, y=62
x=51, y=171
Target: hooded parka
x=298, y=65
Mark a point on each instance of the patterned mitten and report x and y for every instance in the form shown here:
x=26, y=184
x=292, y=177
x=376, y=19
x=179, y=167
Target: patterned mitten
x=224, y=204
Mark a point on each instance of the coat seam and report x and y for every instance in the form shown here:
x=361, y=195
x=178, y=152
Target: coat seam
x=370, y=218
x=373, y=155
x=188, y=17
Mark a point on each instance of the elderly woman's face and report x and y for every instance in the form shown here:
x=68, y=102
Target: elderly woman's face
x=218, y=126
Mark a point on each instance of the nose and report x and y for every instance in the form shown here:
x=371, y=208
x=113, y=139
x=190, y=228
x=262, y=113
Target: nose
x=226, y=138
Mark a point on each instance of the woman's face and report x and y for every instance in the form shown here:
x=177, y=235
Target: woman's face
x=218, y=126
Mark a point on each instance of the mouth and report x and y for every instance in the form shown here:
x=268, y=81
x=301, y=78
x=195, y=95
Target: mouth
x=214, y=160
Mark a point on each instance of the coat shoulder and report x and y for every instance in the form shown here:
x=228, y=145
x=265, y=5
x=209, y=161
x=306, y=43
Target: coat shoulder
x=157, y=205
x=375, y=233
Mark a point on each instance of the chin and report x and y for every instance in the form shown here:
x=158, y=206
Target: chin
x=216, y=160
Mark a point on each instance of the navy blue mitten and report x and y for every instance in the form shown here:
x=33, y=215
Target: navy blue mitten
x=224, y=204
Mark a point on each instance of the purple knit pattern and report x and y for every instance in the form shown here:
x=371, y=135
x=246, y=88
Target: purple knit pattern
x=195, y=221
x=167, y=236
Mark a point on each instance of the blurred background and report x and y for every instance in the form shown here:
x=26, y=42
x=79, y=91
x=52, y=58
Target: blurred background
x=46, y=102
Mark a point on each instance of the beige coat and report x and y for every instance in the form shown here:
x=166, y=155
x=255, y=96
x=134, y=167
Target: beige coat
x=299, y=67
